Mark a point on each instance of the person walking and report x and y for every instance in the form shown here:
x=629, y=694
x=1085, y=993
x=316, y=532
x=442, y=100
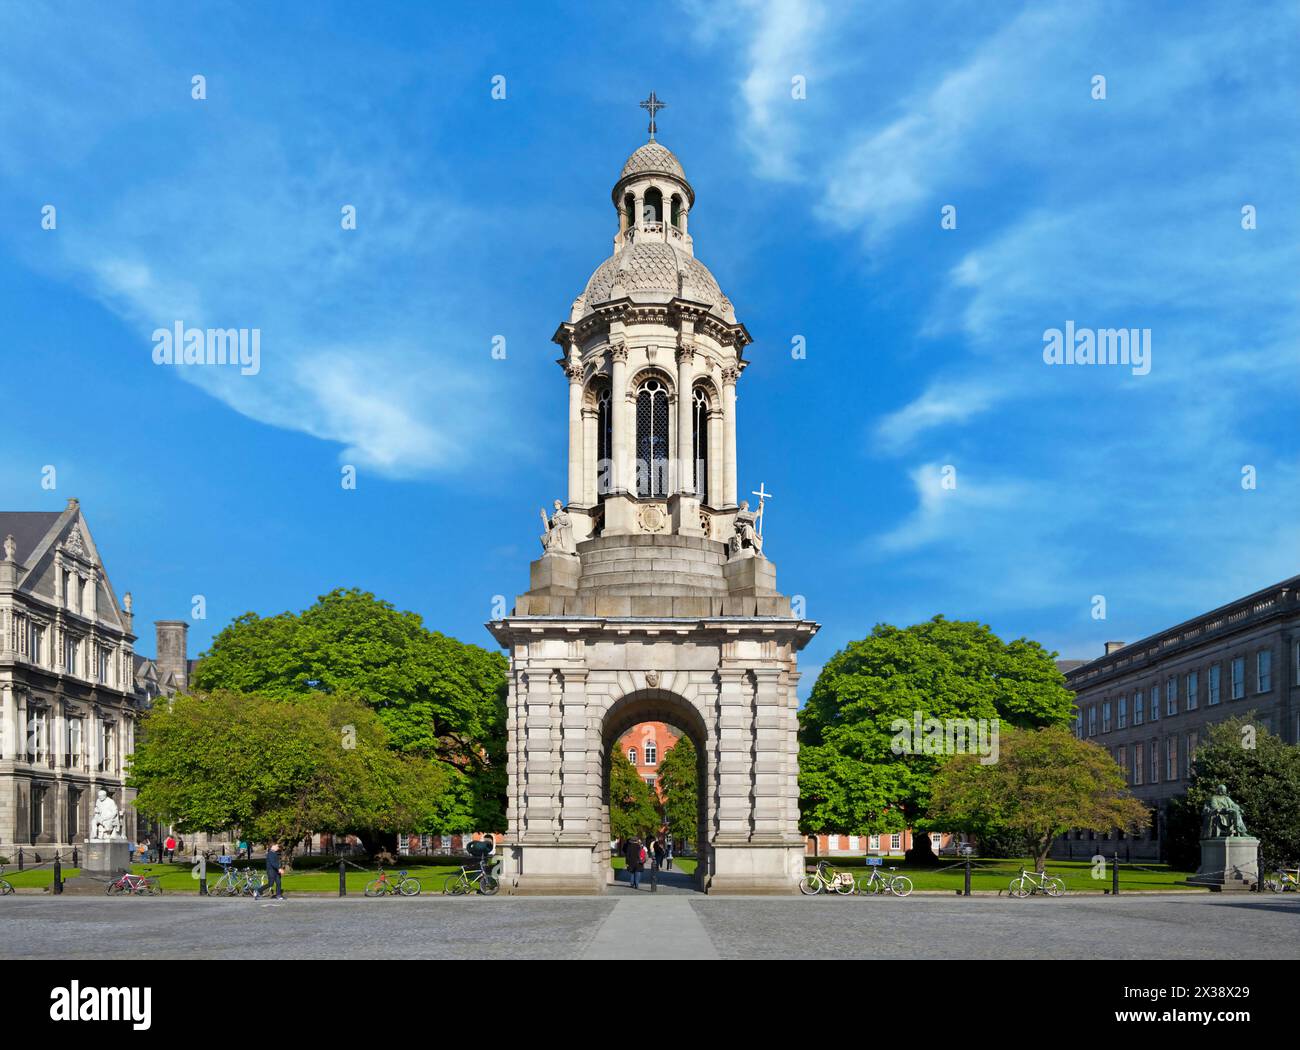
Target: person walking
x=170, y=846
x=668, y=854
x=634, y=858
x=273, y=872
x=660, y=853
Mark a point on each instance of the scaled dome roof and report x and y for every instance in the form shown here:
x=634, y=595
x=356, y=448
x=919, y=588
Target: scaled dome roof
x=653, y=159
x=655, y=272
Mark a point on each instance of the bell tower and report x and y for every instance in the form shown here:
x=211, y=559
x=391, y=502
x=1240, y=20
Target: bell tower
x=653, y=595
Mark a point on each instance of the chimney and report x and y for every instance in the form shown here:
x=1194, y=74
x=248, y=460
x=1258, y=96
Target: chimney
x=1113, y=647
x=173, y=650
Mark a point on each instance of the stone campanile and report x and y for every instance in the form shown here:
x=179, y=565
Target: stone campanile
x=653, y=599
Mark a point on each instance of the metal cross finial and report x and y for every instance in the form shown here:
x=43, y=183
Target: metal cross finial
x=654, y=106
x=762, y=494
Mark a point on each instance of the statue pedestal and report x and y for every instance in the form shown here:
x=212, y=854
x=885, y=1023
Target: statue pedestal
x=1228, y=864
x=105, y=857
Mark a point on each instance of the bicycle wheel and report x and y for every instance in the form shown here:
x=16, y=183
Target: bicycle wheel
x=454, y=885
x=845, y=887
x=377, y=887
x=409, y=887
x=1272, y=885
x=488, y=885
x=5, y=887
x=810, y=885
x=152, y=886
x=864, y=884
x=1054, y=887
x=115, y=887
x=900, y=885
x=1018, y=888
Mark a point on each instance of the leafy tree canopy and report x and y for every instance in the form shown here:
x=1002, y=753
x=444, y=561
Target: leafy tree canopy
x=850, y=779
x=1044, y=782
x=679, y=779
x=437, y=697
x=633, y=808
x=277, y=767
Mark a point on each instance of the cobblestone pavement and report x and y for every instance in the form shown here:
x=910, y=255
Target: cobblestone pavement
x=667, y=927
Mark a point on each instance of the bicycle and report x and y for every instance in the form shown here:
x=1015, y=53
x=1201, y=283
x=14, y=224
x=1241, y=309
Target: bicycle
x=1030, y=882
x=825, y=879
x=5, y=886
x=235, y=882
x=135, y=885
x=405, y=885
x=1286, y=880
x=471, y=880
x=898, y=885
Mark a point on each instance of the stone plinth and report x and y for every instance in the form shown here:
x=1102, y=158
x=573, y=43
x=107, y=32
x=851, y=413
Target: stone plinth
x=1228, y=864
x=105, y=857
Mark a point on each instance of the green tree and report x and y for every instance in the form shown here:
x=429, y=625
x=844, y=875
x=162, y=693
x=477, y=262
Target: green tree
x=1262, y=775
x=1044, y=782
x=277, y=767
x=439, y=698
x=679, y=779
x=851, y=781
x=633, y=809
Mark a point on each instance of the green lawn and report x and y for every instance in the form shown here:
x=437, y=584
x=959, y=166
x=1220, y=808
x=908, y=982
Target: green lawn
x=176, y=878
x=997, y=874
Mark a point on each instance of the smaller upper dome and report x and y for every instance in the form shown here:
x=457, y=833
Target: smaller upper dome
x=653, y=159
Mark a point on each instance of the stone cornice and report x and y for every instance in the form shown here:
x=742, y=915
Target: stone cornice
x=628, y=312
x=513, y=628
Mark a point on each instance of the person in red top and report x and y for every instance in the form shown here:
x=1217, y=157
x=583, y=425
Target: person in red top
x=170, y=846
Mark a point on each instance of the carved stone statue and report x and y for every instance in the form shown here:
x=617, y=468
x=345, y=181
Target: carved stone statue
x=558, y=537
x=126, y=602
x=11, y=548
x=746, y=536
x=1221, y=818
x=106, y=821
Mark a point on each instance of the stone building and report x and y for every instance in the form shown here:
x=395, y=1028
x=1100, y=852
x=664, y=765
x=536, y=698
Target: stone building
x=68, y=698
x=1149, y=703
x=653, y=599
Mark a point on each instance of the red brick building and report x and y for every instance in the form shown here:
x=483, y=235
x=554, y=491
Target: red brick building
x=645, y=746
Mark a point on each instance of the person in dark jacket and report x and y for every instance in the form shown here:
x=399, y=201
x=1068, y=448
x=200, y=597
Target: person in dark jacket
x=659, y=853
x=273, y=872
x=632, y=857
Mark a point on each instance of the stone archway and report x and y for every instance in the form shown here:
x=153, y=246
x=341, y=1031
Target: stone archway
x=657, y=705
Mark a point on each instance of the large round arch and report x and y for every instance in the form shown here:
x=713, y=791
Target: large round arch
x=657, y=705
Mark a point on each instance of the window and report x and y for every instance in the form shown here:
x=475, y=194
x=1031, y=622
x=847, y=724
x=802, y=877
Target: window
x=1171, y=758
x=629, y=210
x=896, y=841
x=853, y=843
x=1264, y=670
x=1188, y=752
x=1155, y=703
x=631, y=755
x=71, y=653
x=652, y=208
x=38, y=644
x=1122, y=762
x=74, y=742
x=651, y=753
x=1238, y=677
x=38, y=734
x=650, y=782
x=1105, y=716
x=1092, y=720
x=874, y=842
x=1192, y=688
x=107, y=750
x=1213, y=684
x=835, y=842
x=701, y=414
x=604, y=442
x=67, y=589
x=1139, y=762
x=1139, y=708
x=652, y=439
x=1171, y=695
x=1155, y=761
x=676, y=211
x=102, y=665
x=1297, y=663
x=1121, y=718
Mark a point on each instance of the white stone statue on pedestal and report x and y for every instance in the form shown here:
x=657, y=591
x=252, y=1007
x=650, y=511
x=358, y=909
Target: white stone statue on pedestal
x=106, y=821
x=558, y=537
x=747, y=536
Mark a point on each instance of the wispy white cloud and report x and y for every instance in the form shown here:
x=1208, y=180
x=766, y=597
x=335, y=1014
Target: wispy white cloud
x=941, y=403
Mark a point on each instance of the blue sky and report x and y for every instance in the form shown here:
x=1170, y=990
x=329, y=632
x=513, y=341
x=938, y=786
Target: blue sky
x=820, y=216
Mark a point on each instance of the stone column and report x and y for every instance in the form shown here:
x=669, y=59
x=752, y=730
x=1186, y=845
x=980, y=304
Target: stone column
x=59, y=745
x=639, y=211
x=591, y=456
x=574, y=372
x=538, y=765
x=685, y=431
x=619, y=415
x=733, y=782
x=575, y=815
x=729, y=376
x=771, y=726
x=717, y=479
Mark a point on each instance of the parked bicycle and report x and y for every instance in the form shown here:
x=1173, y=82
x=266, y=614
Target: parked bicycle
x=5, y=886
x=236, y=882
x=1031, y=882
x=825, y=879
x=471, y=880
x=898, y=885
x=404, y=885
x=1284, y=880
x=137, y=885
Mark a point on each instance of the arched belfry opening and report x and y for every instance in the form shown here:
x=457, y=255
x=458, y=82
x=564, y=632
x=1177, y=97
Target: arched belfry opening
x=654, y=595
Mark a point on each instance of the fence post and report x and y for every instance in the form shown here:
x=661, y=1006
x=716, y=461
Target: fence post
x=203, y=874
x=58, y=874
x=343, y=877
x=1114, y=874
x=75, y=862
x=966, y=892
x=20, y=858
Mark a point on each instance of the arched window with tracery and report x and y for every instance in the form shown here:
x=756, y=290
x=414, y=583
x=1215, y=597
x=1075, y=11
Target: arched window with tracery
x=653, y=206
x=604, y=441
x=652, y=439
x=701, y=450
